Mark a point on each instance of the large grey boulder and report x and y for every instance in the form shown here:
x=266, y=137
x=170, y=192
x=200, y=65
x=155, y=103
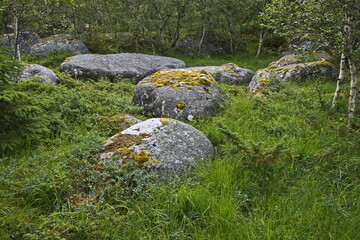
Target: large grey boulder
x=164, y=146
x=26, y=40
x=179, y=94
x=58, y=43
x=34, y=70
x=229, y=73
x=117, y=66
x=293, y=68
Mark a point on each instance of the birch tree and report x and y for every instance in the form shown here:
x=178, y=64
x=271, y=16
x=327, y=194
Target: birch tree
x=328, y=22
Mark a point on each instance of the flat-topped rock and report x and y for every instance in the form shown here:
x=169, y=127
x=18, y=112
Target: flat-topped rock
x=164, y=146
x=35, y=70
x=179, y=94
x=117, y=66
x=229, y=73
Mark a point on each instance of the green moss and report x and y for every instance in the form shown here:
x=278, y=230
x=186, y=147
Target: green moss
x=178, y=78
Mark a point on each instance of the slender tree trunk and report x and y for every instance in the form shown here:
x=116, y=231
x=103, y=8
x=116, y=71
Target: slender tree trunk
x=340, y=82
x=350, y=31
x=261, y=40
x=16, y=38
x=202, y=38
x=353, y=90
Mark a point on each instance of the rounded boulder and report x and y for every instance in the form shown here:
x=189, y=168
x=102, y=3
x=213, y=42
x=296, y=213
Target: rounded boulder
x=165, y=146
x=179, y=94
x=35, y=70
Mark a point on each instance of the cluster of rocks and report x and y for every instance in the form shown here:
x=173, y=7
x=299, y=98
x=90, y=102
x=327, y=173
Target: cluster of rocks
x=171, y=92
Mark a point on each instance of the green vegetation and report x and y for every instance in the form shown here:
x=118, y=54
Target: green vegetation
x=286, y=167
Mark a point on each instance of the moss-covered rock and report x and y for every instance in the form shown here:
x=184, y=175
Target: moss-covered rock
x=165, y=146
x=179, y=94
x=293, y=68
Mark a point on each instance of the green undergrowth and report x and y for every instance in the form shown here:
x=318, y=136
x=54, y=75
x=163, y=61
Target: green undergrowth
x=52, y=61
x=244, y=60
x=285, y=168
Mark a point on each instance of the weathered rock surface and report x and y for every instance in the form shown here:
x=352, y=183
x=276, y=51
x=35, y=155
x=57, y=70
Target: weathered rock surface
x=179, y=94
x=228, y=73
x=58, y=43
x=293, y=68
x=26, y=40
x=117, y=66
x=34, y=70
x=164, y=146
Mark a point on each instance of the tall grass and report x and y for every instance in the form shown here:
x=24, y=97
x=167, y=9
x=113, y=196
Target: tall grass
x=285, y=168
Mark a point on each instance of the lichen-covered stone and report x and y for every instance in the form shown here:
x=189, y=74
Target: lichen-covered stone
x=164, y=146
x=117, y=66
x=228, y=73
x=35, y=70
x=293, y=68
x=57, y=43
x=179, y=94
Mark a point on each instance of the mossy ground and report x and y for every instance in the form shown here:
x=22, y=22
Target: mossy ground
x=286, y=168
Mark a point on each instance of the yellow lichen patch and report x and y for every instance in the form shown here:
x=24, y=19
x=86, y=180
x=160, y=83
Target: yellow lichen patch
x=143, y=156
x=152, y=162
x=281, y=69
x=27, y=66
x=120, y=146
x=321, y=63
x=177, y=78
x=229, y=65
x=180, y=105
x=230, y=71
x=120, y=142
x=165, y=121
x=264, y=82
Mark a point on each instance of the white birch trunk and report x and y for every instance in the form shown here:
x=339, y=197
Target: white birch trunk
x=16, y=38
x=353, y=90
x=339, y=83
x=261, y=40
